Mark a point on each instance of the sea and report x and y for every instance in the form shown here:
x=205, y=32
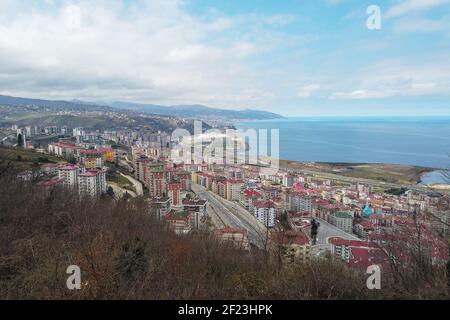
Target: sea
x=420, y=141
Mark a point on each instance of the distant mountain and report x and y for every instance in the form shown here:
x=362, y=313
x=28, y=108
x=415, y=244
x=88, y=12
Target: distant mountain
x=196, y=111
x=52, y=104
x=183, y=111
x=77, y=113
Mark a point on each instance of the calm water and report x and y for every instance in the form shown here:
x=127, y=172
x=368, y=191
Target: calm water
x=434, y=177
x=413, y=141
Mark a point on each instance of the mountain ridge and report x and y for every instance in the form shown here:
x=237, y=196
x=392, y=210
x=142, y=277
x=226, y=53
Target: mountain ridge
x=186, y=111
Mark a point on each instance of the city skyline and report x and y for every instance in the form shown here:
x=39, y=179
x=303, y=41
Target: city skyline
x=296, y=58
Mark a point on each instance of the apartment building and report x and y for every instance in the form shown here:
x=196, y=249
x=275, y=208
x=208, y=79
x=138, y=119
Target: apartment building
x=197, y=208
x=264, y=211
x=92, y=183
x=64, y=150
x=233, y=189
x=140, y=168
x=160, y=207
x=69, y=175
x=294, y=246
x=342, y=220
x=179, y=222
x=299, y=202
x=91, y=159
x=174, y=192
x=358, y=254
x=108, y=154
x=248, y=197
x=157, y=179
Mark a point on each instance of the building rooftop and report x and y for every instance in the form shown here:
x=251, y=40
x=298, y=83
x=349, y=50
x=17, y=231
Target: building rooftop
x=178, y=215
x=292, y=237
x=229, y=231
x=69, y=167
x=264, y=204
x=189, y=202
x=92, y=173
x=249, y=193
x=350, y=243
x=343, y=215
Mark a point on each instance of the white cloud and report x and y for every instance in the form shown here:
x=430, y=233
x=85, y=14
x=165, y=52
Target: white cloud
x=398, y=78
x=145, y=51
x=410, y=6
x=308, y=90
x=422, y=25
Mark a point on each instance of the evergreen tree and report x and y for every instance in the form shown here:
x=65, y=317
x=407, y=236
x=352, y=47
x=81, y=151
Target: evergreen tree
x=132, y=261
x=110, y=192
x=20, y=140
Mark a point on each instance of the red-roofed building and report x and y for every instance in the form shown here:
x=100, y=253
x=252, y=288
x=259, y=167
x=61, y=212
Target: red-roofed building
x=185, y=178
x=141, y=169
x=61, y=149
x=294, y=246
x=48, y=185
x=359, y=254
x=364, y=228
x=50, y=168
x=91, y=159
x=180, y=222
x=238, y=237
x=92, y=183
x=248, y=197
x=174, y=189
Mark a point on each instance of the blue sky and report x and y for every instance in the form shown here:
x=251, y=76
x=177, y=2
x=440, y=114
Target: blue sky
x=294, y=57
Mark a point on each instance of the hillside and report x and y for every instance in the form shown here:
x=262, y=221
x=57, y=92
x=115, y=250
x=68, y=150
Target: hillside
x=21, y=159
x=25, y=115
x=37, y=104
x=185, y=111
x=198, y=111
x=123, y=253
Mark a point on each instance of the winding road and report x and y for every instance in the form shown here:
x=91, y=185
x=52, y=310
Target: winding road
x=137, y=184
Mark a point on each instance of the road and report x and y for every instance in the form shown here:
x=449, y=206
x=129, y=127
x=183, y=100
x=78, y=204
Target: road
x=120, y=192
x=137, y=184
x=125, y=164
x=233, y=217
x=327, y=230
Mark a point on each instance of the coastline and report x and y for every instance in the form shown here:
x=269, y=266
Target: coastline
x=391, y=173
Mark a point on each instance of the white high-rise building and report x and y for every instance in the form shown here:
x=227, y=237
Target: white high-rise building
x=233, y=189
x=69, y=175
x=265, y=213
x=300, y=203
x=92, y=183
x=79, y=132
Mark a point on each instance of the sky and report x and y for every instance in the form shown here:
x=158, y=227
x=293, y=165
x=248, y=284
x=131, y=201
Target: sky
x=293, y=57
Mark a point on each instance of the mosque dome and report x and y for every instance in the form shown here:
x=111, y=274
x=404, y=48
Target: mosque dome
x=367, y=211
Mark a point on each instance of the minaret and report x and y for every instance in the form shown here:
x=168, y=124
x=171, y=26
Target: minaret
x=24, y=137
